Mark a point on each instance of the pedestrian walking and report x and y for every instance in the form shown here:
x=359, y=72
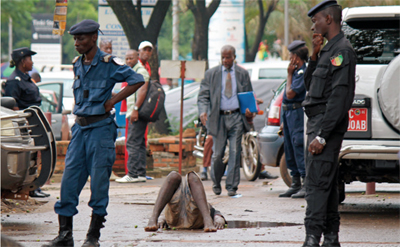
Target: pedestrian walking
x=92, y=147
x=330, y=82
x=219, y=107
x=135, y=138
x=293, y=118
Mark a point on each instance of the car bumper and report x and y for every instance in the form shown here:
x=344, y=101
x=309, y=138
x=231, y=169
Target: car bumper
x=370, y=150
x=270, y=144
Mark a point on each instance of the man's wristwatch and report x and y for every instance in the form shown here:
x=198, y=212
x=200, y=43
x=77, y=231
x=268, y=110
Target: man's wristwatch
x=321, y=140
x=135, y=108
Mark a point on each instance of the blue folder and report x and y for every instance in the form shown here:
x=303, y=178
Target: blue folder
x=247, y=100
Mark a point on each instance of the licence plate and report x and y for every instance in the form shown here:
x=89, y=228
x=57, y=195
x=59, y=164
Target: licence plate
x=358, y=119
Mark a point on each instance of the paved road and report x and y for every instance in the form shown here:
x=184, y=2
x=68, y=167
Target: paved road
x=367, y=220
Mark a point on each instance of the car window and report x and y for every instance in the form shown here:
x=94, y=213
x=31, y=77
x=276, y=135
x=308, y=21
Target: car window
x=273, y=73
x=67, y=85
x=376, y=41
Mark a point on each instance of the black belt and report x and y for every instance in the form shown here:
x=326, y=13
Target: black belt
x=228, y=112
x=314, y=110
x=85, y=121
x=291, y=106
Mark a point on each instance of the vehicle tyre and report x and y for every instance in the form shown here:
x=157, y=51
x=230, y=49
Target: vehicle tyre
x=342, y=194
x=251, y=164
x=284, y=171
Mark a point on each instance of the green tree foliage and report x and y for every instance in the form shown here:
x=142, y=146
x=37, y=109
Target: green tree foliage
x=22, y=22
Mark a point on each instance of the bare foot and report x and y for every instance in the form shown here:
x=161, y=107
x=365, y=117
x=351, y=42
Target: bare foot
x=151, y=226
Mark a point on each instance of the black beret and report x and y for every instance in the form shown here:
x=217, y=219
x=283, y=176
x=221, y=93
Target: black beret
x=295, y=45
x=85, y=26
x=321, y=6
x=18, y=54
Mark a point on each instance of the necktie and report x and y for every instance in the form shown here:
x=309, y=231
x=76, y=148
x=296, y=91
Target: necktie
x=228, y=85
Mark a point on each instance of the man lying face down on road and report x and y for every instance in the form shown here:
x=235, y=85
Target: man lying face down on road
x=186, y=206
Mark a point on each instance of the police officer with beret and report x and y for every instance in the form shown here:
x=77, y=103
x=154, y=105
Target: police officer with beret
x=293, y=118
x=330, y=82
x=19, y=84
x=91, y=150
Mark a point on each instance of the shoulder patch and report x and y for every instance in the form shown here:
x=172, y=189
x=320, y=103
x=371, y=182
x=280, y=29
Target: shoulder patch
x=106, y=58
x=337, y=60
x=75, y=59
x=118, y=61
x=17, y=78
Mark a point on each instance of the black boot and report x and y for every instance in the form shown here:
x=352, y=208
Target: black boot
x=93, y=235
x=64, y=237
x=311, y=241
x=302, y=192
x=331, y=239
x=294, y=187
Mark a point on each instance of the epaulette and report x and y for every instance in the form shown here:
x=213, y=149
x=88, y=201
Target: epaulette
x=75, y=59
x=106, y=58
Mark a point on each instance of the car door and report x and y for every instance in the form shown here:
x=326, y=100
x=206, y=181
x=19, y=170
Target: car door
x=52, y=98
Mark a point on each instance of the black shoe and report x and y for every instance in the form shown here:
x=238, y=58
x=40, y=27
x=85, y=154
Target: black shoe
x=331, y=240
x=232, y=193
x=294, y=188
x=93, y=235
x=35, y=193
x=64, y=237
x=216, y=191
x=311, y=241
x=203, y=176
x=267, y=175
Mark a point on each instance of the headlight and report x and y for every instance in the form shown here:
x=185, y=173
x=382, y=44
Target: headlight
x=12, y=163
x=7, y=123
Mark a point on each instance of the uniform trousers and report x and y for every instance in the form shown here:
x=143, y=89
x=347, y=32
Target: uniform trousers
x=293, y=131
x=230, y=128
x=322, y=193
x=91, y=151
x=136, y=147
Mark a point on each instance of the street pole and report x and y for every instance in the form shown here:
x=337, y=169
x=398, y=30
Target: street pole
x=286, y=23
x=10, y=37
x=175, y=35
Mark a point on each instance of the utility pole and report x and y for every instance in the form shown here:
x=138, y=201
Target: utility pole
x=10, y=38
x=286, y=43
x=175, y=35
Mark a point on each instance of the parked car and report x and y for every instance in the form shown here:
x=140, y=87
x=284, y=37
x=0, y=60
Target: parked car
x=270, y=69
x=25, y=134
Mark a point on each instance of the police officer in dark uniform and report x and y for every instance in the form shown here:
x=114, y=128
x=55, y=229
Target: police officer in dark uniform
x=19, y=84
x=330, y=82
x=91, y=150
x=293, y=118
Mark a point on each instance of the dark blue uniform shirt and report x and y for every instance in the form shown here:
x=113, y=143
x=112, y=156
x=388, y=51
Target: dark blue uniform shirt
x=297, y=86
x=92, y=87
x=25, y=92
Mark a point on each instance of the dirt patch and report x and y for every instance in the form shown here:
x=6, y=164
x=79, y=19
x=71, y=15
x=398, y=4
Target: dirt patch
x=20, y=206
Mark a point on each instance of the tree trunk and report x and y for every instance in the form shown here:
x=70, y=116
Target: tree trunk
x=251, y=53
x=130, y=18
x=202, y=15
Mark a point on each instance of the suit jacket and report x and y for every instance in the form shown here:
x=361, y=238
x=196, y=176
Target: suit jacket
x=209, y=99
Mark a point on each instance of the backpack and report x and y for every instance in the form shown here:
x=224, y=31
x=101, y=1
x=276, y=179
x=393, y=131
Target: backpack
x=153, y=103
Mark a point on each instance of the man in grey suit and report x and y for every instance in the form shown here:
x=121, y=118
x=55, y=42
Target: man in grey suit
x=220, y=112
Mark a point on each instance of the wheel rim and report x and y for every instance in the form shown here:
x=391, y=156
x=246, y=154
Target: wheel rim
x=250, y=162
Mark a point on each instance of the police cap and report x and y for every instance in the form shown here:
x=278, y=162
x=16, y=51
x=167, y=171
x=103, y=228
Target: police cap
x=18, y=54
x=321, y=6
x=85, y=26
x=296, y=45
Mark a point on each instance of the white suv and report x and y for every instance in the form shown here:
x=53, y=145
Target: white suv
x=371, y=145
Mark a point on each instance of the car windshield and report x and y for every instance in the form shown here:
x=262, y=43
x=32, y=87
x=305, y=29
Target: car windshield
x=67, y=85
x=273, y=73
x=376, y=41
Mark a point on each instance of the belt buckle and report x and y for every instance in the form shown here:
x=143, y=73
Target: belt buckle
x=227, y=112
